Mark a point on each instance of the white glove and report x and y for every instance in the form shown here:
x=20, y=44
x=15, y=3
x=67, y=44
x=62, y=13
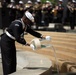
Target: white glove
x=32, y=46
x=48, y=38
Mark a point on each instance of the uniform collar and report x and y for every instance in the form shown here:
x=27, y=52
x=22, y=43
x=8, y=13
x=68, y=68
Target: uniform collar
x=23, y=23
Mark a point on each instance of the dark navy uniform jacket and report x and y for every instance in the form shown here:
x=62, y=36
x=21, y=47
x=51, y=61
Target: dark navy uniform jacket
x=17, y=29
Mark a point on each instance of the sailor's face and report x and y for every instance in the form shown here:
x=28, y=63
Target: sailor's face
x=27, y=22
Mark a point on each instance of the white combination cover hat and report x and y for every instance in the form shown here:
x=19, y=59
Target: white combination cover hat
x=61, y=0
x=29, y=1
x=74, y=1
x=38, y=0
x=12, y=1
x=47, y=1
x=29, y=16
x=21, y=2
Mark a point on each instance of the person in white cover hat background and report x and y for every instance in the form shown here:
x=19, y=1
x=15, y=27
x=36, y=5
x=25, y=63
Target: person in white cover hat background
x=20, y=9
x=15, y=32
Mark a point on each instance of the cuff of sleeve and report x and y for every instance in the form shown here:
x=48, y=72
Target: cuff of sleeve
x=25, y=44
x=41, y=36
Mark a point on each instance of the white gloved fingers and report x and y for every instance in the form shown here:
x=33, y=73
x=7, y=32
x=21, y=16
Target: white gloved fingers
x=32, y=46
x=48, y=38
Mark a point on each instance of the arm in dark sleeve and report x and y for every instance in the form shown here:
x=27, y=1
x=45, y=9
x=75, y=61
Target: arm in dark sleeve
x=17, y=34
x=34, y=33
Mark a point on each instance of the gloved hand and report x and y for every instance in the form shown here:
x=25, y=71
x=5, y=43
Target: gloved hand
x=48, y=38
x=43, y=37
x=32, y=46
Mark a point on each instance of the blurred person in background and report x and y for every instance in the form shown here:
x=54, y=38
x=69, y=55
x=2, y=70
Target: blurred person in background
x=38, y=13
x=60, y=9
x=46, y=13
x=29, y=6
x=12, y=11
x=5, y=15
x=72, y=13
x=20, y=9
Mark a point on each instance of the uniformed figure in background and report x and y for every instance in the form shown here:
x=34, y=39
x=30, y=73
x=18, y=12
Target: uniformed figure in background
x=5, y=15
x=38, y=13
x=49, y=9
x=15, y=32
x=12, y=11
x=60, y=9
x=72, y=13
x=46, y=13
x=75, y=11
x=20, y=9
x=54, y=14
x=29, y=6
x=67, y=12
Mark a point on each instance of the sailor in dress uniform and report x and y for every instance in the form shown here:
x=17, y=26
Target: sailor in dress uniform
x=12, y=34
